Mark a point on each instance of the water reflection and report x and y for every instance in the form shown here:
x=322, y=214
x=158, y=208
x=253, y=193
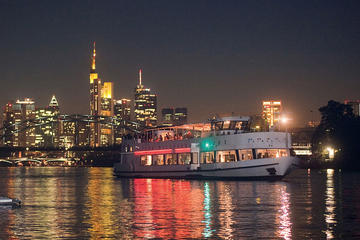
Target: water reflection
x=207, y=212
x=285, y=223
x=330, y=204
x=89, y=203
x=167, y=208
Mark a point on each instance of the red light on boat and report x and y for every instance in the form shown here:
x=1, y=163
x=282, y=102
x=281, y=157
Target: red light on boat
x=182, y=150
x=153, y=152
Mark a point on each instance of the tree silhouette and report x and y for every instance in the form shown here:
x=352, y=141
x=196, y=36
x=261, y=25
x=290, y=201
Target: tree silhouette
x=340, y=129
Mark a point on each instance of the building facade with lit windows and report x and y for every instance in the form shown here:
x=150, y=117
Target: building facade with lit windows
x=174, y=117
x=101, y=105
x=180, y=116
x=16, y=126
x=122, y=114
x=145, y=104
x=48, y=130
x=272, y=112
x=107, y=110
x=167, y=116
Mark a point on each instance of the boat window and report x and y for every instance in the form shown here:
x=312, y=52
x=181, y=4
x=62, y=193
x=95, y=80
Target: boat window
x=145, y=160
x=207, y=157
x=226, y=125
x=271, y=153
x=170, y=159
x=245, y=154
x=226, y=156
x=195, y=157
x=158, y=159
x=184, y=158
x=283, y=152
x=218, y=126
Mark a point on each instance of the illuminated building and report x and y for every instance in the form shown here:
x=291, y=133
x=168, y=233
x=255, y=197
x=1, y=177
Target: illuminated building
x=107, y=110
x=47, y=133
x=173, y=117
x=74, y=133
x=167, y=116
x=272, y=112
x=122, y=112
x=95, y=101
x=16, y=115
x=180, y=116
x=101, y=104
x=355, y=105
x=145, y=105
x=67, y=136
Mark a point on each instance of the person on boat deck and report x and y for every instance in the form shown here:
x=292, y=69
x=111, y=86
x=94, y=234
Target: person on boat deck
x=161, y=138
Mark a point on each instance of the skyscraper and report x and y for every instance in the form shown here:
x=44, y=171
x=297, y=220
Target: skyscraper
x=107, y=110
x=48, y=130
x=122, y=112
x=180, y=116
x=101, y=105
x=145, y=105
x=174, y=117
x=272, y=112
x=17, y=124
x=167, y=116
x=95, y=101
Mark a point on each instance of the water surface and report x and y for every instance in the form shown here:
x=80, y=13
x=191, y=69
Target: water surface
x=89, y=203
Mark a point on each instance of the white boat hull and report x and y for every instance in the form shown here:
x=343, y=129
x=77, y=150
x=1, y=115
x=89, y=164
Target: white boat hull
x=275, y=168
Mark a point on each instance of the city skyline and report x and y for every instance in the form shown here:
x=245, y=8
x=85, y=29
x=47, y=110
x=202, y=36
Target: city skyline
x=209, y=56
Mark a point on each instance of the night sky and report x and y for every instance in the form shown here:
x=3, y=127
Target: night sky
x=209, y=56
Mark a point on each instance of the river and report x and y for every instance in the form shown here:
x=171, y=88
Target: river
x=89, y=203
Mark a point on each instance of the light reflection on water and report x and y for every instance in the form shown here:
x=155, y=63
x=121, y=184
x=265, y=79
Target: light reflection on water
x=89, y=203
x=330, y=204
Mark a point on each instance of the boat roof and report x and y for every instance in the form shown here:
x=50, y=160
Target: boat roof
x=232, y=118
x=192, y=126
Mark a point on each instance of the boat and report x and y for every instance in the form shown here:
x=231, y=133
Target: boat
x=4, y=201
x=221, y=148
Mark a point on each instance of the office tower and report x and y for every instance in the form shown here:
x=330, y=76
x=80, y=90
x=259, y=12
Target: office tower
x=180, y=116
x=107, y=110
x=101, y=106
x=167, y=116
x=95, y=101
x=122, y=112
x=174, y=117
x=272, y=112
x=145, y=105
x=8, y=125
x=67, y=134
x=47, y=130
x=74, y=133
x=17, y=123
x=355, y=105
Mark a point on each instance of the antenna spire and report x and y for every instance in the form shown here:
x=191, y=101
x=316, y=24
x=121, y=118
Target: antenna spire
x=140, y=77
x=93, y=66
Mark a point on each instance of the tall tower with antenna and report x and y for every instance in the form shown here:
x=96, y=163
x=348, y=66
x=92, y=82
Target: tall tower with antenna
x=145, y=105
x=95, y=101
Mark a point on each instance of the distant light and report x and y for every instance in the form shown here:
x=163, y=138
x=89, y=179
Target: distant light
x=331, y=152
x=284, y=120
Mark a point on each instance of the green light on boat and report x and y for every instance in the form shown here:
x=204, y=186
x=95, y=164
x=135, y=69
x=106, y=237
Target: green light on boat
x=207, y=145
